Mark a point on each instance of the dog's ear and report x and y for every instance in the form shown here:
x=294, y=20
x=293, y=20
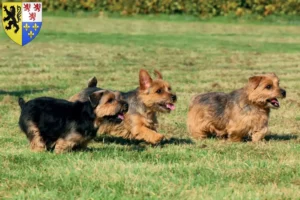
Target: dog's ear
x=92, y=82
x=254, y=81
x=95, y=98
x=117, y=95
x=158, y=74
x=145, y=80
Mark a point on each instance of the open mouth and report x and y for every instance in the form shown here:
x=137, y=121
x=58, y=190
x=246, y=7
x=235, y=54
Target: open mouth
x=167, y=106
x=274, y=102
x=121, y=116
x=118, y=118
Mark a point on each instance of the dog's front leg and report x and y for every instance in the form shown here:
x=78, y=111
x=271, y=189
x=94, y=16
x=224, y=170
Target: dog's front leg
x=259, y=135
x=63, y=146
x=146, y=134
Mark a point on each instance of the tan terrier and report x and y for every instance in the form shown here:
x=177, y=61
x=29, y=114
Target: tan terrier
x=241, y=113
x=140, y=122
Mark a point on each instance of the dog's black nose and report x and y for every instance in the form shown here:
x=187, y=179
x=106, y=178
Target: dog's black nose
x=125, y=107
x=174, y=97
x=283, y=92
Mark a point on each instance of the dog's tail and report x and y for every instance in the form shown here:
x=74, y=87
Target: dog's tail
x=21, y=102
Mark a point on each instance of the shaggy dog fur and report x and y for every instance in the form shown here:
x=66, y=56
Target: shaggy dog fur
x=239, y=114
x=150, y=98
x=49, y=122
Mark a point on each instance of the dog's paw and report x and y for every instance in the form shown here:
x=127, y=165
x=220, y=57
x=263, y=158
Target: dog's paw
x=157, y=139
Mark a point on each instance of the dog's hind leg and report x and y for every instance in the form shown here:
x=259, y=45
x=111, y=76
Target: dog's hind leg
x=37, y=143
x=197, y=131
x=235, y=136
x=199, y=135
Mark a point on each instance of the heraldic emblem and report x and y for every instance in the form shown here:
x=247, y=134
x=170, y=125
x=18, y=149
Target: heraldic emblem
x=22, y=22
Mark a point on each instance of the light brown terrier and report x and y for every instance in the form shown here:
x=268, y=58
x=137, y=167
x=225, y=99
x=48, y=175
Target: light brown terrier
x=140, y=122
x=239, y=114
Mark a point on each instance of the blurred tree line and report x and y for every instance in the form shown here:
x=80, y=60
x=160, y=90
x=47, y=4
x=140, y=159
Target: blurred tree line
x=202, y=8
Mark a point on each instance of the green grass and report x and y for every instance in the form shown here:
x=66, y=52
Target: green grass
x=194, y=57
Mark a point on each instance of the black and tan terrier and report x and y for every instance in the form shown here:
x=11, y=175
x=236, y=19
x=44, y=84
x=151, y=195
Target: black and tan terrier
x=239, y=114
x=49, y=122
x=140, y=122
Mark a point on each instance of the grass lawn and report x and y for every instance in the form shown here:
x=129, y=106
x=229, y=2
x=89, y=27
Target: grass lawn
x=194, y=57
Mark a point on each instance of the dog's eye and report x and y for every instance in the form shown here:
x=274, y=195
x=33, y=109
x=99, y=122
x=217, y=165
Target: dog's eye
x=268, y=87
x=170, y=89
x=110, y=100
x=158, y=91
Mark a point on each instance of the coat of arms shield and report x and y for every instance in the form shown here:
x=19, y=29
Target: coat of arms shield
x=22, y=21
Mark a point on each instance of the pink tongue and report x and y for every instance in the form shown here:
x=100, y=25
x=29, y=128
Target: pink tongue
x=170, y=106
x=274, y=101
x=121, y=116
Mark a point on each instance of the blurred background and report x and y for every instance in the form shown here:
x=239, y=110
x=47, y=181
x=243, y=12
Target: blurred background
x=198, y=8
x=199, y=46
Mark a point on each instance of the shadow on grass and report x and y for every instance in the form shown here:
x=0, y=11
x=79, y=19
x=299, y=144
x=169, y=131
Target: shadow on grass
x=123, y=141
x=270, y=137
x=138, y=148
x=105, y=139
x=177, y=141
x=21, y=93
x=105, y=149
x=283, y=137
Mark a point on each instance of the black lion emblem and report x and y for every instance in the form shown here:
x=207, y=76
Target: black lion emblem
x=11, y=16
